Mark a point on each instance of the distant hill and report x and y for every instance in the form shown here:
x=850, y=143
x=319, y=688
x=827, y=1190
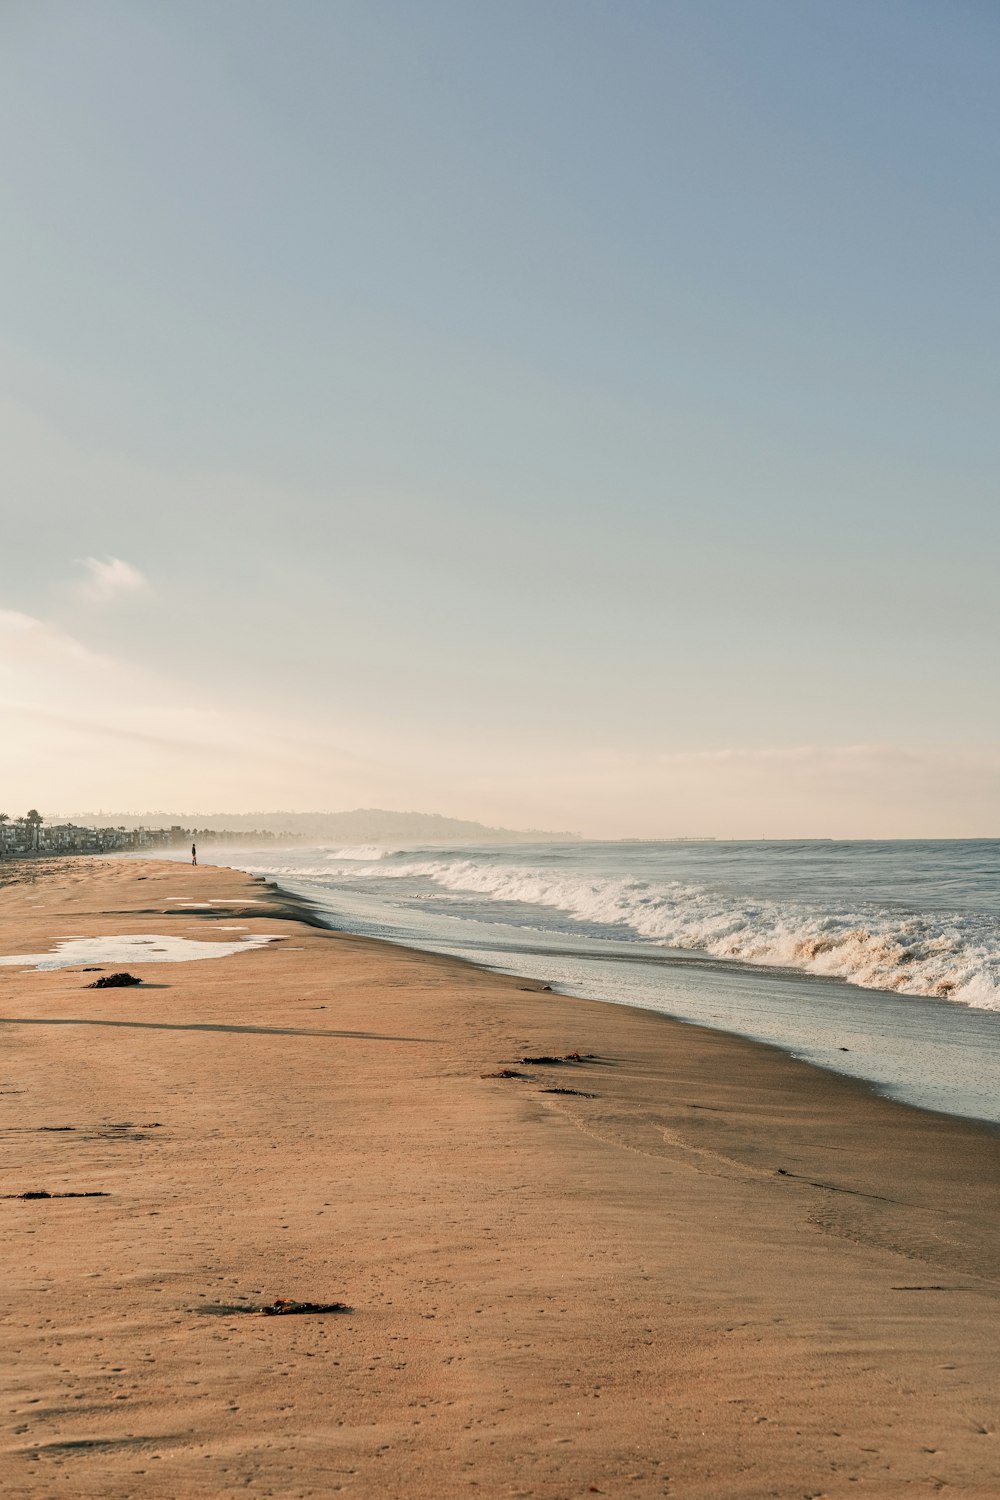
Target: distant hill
x=365, y=825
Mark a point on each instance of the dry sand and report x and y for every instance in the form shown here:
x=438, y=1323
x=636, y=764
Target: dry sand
x=724, y=1274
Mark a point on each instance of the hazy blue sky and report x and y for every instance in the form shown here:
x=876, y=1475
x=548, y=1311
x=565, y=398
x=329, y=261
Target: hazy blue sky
x=577, y=414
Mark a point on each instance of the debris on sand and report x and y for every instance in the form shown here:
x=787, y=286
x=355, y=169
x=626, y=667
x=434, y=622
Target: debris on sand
x=504, y=1073
x=578, y=1092
x=113, y=981
x=41, y=1193
x=566, y=1057
x=281, y=1306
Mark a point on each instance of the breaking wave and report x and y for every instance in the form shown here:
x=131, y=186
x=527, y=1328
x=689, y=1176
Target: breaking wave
x=952, y=955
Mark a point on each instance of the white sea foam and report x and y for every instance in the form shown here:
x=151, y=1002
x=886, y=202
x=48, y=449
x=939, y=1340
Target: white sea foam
x=133, y=948
x=953, y=956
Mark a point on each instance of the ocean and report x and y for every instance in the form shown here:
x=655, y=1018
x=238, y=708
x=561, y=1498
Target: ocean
x=880, y=960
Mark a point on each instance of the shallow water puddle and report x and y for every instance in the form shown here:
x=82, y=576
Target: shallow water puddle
x=132, y=948
x=230, y=901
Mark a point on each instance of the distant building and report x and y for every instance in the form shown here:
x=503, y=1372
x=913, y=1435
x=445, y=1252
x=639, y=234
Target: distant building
x=17, y=840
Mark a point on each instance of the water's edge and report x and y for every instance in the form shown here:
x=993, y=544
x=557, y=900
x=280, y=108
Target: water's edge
x=314, y=911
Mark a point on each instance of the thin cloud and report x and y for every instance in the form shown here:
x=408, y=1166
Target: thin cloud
x=96, y=728
x=26, y=641
x=117, y=731
x=111, y=578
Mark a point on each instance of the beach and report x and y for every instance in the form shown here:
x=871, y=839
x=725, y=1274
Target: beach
x=700, y=1268
x=872, y=958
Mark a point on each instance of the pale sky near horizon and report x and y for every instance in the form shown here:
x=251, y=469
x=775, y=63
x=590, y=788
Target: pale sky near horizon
x=573, y=415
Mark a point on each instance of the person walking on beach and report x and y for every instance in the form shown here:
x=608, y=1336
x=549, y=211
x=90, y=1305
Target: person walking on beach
x=194, y=855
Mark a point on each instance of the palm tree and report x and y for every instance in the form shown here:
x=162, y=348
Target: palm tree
x=33, y=821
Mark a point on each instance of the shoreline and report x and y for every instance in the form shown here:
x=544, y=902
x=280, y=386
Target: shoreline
x=893, y=1090
x=711, y=1270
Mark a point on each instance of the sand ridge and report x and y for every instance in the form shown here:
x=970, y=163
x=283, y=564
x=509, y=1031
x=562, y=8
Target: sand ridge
x=710, y=1272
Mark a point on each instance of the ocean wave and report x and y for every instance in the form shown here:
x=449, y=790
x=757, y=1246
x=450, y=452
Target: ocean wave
x=362, y=852
x=953, y=956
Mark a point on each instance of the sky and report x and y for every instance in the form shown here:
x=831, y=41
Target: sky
x=577, y=415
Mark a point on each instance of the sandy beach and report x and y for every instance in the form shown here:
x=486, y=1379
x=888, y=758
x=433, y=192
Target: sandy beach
x=684, y=1265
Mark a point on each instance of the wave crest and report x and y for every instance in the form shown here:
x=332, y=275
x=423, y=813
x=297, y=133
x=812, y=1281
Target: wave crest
x=949, y=955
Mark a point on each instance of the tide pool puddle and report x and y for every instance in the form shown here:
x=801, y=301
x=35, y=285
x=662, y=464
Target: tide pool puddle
x=230, y=901
x=151, y=947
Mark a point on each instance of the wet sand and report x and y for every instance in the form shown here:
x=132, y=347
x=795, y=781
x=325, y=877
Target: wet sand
x=711, y=1271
